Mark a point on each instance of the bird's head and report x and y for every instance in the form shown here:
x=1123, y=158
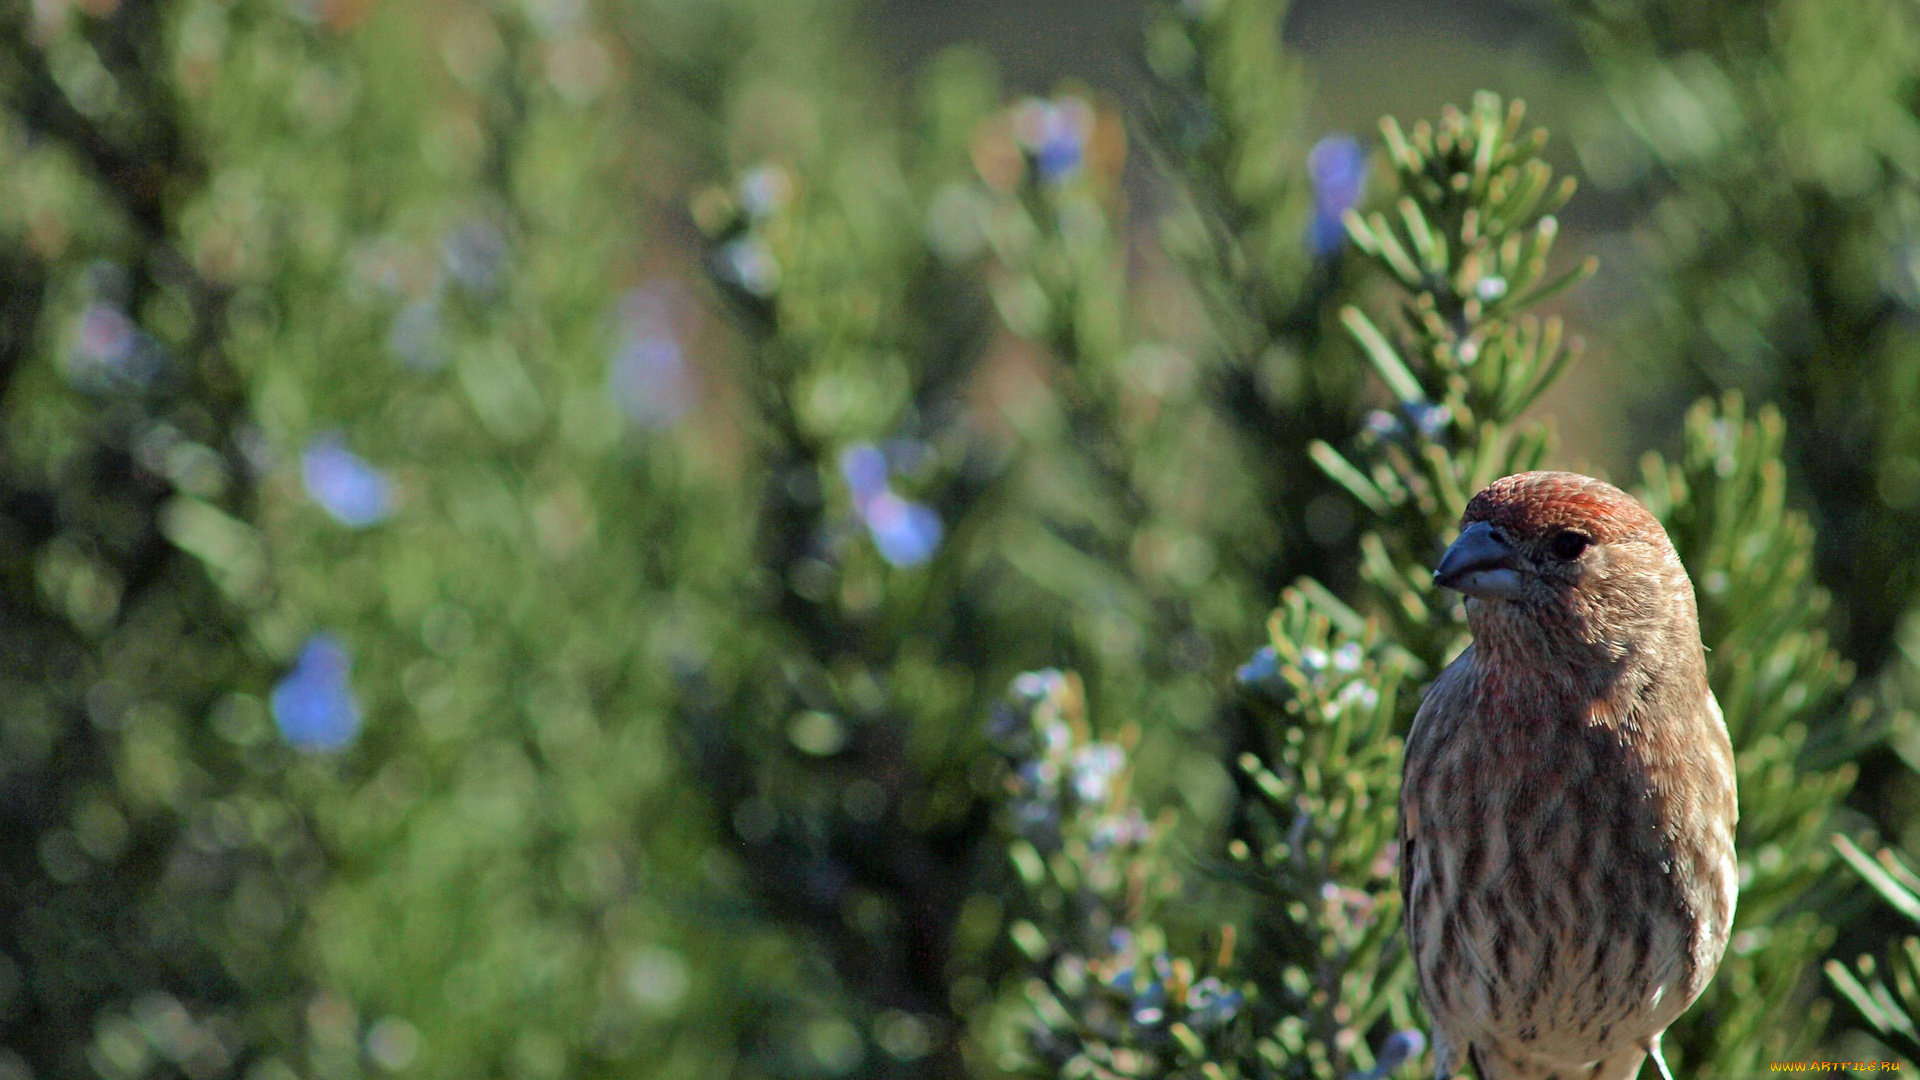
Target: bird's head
x=1566, y=560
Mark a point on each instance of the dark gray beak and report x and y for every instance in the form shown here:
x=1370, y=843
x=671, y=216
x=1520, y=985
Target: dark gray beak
x=1480, y=563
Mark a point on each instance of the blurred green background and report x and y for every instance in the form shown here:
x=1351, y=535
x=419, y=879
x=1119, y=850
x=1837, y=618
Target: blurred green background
x=518, y=518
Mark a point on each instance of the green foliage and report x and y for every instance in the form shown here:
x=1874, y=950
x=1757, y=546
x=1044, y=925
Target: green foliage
x=1111, y=1000
x=486, y=829
x=1316, y=848
x=832, y=736
x=153, y=870
x=1775, y=152
x=420, y=270
x=1889, y=1009
x=1778, y=683
x=514, y=518
x=1469, y=241
x=1769, y=663
x=1469, y=244
x=1123, y=541
x=1228, y=115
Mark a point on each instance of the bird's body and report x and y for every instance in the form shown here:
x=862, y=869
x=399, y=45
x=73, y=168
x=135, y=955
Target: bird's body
x=1568, y=806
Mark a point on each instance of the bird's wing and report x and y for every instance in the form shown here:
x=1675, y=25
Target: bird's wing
x=1446, y=1050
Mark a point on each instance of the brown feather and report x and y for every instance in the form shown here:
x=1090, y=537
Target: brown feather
x=1568, y=805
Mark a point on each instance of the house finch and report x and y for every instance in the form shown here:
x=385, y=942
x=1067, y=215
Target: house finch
x=1566, y=820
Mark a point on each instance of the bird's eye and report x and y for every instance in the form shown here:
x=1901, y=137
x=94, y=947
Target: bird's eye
x=1567, y=544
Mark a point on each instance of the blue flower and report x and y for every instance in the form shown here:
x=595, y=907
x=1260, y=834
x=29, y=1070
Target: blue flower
x=1400, y=1047
x=354, y=492
x=1337, y=166
x=1263, y=668
x=1060, y=155
x=313, y=705
x=906, y=533
x=1054, y=134
x=648, y=378
x=864, y=468
x=111, y=351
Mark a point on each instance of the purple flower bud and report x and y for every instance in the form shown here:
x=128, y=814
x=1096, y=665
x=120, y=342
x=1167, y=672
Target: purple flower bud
x=764, y=191
x=1039, y=778
x=1111, y=831
x=748, y=263
x=1211, y=1003
x=1060, y=156
x=1035, y=686
x=111, y=351
x=1011, y=730
x=475, y=255
x=1382, y=424
x=1055, y=737
x=1337, y=166
x=313, y=705
x=865, y=470
x=1263, y=668
x=106, y=334
x=1400, y=1047
x=354, y=492
x=1094, y=769
x=1055, y=134
x=648, y=378
x=1428, y=419
x=906, y=533
x=1037, y=818
x=1150, y=1004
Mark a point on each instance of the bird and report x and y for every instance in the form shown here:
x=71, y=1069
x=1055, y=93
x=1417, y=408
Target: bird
x=1567, y=804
